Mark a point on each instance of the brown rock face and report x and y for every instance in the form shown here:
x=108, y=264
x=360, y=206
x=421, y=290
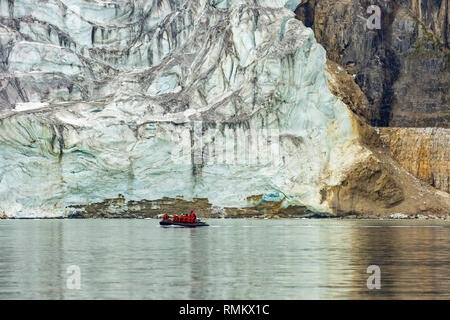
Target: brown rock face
x=343, y=86
x=368, y=189
x=420, y=94
x=424, y=152
x=379, y=186
x=403, y=68
x=434, y=14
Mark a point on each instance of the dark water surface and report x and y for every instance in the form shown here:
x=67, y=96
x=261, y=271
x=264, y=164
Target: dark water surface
x=231, y=259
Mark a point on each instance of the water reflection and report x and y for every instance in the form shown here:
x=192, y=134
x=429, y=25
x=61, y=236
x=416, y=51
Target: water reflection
x=414, y=261
x=231, y=259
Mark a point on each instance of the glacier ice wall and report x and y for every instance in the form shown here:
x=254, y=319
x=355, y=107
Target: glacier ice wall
x=212, y=99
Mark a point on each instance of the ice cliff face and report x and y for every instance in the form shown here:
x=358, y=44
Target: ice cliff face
x=213, y=99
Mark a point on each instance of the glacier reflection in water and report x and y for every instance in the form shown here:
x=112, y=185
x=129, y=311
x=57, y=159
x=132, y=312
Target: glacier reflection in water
x=232, y=259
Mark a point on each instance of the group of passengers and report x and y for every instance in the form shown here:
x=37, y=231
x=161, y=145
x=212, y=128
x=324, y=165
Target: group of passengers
x=192, y=218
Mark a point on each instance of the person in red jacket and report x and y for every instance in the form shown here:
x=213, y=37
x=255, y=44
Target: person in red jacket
x=193, y=217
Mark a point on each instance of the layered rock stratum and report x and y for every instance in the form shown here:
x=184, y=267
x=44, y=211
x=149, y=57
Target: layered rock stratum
x=424, y=152
x=125, y=106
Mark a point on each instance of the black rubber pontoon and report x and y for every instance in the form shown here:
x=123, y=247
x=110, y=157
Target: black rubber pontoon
x=183, y=224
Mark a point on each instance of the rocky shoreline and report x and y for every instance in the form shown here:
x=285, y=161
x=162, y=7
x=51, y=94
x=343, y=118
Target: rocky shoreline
x=257, y=208
x=396, y=216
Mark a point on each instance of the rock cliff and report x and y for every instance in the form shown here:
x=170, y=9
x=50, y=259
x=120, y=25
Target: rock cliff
x=424, y=152
x=402, y=68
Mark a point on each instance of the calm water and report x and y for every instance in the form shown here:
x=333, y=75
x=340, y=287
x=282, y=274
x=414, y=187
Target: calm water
x=231, y=259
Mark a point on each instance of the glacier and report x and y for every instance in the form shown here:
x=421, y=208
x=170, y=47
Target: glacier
x=221, y=100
